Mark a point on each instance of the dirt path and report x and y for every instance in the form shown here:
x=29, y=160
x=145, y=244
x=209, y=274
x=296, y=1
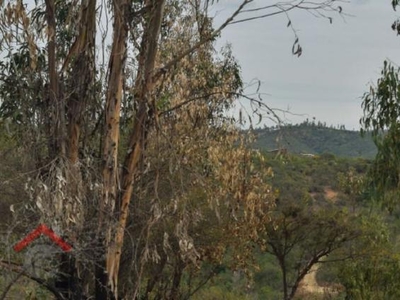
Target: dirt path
x=309, y=283
x=330, y=194
x=310, y=286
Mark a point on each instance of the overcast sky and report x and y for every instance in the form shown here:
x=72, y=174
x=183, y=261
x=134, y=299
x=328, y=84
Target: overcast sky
x=339, y=60
x=338, y=63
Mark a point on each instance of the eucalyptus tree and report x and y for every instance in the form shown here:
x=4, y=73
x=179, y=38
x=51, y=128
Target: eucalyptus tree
x=94, y=109
x=381, y=117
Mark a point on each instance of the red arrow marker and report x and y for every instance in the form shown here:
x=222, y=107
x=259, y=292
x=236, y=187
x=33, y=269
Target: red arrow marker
x=28, y=239
x=56, y=239
x=36, y=233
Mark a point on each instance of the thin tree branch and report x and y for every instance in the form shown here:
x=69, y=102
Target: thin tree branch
x=7, y=289
x=216, y=32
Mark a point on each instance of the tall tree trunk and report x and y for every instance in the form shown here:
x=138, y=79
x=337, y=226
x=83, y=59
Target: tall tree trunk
x=57, y=145
x=83, y=68
x=84, y=71
x=111, y=134
x=113, y=106
x=282, y=263
x=143, y=90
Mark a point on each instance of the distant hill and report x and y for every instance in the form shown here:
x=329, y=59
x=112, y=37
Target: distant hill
x=311, y=138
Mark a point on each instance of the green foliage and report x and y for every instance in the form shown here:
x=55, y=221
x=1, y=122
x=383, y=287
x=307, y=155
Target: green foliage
x=296, y=175
x=303, y=235
x=22, y=288
x=372, y=271
x=312, y=216
x=311, y=138
x=217, y=293
x=268, y=279
x=16, y=83
x=381, y=107
x=374, y=276
x=381, y=103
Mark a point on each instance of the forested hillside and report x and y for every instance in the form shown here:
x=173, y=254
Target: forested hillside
x=321, y=212
x=316, y=138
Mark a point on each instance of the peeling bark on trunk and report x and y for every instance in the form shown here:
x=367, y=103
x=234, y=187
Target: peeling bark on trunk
x=84, y=68
x=111, y=134
x=113, y=106
x=143, y=90
x=72, y=108
x=57, y=145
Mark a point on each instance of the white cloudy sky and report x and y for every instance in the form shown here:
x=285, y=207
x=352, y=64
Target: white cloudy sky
x=339, y=60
